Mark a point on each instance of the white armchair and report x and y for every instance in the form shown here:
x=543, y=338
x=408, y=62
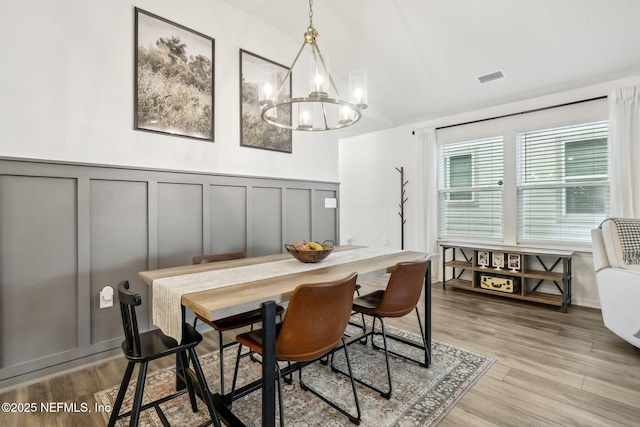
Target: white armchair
x=618, y=280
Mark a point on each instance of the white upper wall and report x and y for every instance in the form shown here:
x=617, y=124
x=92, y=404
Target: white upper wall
x=67, y=85
x=370, y=183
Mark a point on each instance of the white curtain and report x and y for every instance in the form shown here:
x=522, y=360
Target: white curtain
x=624, y=138
x=427, y=229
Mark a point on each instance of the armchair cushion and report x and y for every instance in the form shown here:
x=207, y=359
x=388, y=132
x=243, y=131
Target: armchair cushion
x=622, y=245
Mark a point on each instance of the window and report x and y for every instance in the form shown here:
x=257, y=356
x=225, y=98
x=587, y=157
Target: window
x=586, y=161
x=470, y=189
x=460, y=176
x=563, y=182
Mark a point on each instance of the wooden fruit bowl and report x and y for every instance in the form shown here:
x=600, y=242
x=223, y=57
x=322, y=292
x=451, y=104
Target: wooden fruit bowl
x=310, y=255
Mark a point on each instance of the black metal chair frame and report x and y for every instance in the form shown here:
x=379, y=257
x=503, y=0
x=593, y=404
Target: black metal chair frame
x=141, y=348
x=288, y=371
x=363, y=339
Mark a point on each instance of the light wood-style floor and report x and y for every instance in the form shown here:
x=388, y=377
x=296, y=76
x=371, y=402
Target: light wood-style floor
x=552, y=369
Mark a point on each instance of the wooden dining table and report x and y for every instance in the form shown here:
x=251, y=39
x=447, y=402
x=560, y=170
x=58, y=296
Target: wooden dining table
x=240, y=297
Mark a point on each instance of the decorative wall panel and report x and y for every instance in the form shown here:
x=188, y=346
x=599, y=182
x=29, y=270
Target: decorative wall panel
x=69, y=230
x=298, y=209
x=118, y=248
x=266, y=214
x=326, y=219
x=179, y=223
x=38, y=268
x=228, y=219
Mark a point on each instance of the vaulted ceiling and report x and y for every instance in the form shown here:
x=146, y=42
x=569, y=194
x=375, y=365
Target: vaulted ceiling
x=423, y=56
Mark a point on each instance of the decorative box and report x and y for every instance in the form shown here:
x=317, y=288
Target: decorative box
x=499, y=283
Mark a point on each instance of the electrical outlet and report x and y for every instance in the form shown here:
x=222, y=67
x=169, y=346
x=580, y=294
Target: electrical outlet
x=385, y=241
x=330, y=202
x=106, y=297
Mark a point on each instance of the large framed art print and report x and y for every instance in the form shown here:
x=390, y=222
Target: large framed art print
x=254, y=132
x=174, y=74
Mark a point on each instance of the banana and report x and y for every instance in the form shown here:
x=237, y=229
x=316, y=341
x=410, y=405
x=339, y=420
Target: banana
x=315, y=246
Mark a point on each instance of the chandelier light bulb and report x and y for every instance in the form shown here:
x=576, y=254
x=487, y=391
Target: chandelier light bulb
x=357, y=95
x=319, y=83
x=267, y=91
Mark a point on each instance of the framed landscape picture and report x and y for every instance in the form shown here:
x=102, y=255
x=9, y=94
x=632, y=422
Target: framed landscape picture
x=254, y=132
x=174, y=69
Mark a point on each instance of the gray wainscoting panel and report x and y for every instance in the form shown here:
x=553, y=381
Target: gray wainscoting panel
x=228, y=219
x=38, y=265
x=119, y=250
x=266, y=218
x=325, y=218
x=68, y=230
x=179, y=223
x=298, y=210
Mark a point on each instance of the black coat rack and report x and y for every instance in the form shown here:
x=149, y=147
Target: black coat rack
x=403, y=199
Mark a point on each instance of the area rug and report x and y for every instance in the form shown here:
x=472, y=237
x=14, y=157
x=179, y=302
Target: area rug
x=420, y=397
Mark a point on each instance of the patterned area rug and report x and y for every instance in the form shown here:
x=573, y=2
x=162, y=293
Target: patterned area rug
x=420, y=397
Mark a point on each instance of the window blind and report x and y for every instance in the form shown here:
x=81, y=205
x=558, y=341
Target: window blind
x=562, y=182
x=470, y=178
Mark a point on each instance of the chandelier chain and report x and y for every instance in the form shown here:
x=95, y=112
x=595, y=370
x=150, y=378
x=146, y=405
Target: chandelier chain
x=310, y=15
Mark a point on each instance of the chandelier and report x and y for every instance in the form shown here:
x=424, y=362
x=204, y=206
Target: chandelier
x=323, y=108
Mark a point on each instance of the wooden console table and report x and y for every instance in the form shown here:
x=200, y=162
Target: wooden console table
x=530, y=268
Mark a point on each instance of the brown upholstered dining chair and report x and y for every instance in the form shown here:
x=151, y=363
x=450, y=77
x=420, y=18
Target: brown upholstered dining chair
x=141, y=348
x=232, y=322
x=400, y=297
x=316, y=318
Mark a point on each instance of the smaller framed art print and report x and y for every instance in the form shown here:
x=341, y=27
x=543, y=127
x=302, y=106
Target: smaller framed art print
x=174, y=69
x=254, y=132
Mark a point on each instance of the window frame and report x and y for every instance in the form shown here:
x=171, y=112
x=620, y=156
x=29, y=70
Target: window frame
x=508, y=125
x=565, y=219
x=483, y=193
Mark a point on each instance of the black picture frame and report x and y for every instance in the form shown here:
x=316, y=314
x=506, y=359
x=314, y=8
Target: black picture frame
x=483, y=259
x=254, y=132
x=174, y=78
x=514, y=262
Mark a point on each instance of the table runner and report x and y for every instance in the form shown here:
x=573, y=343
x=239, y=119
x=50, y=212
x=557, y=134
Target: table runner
x=168, y=291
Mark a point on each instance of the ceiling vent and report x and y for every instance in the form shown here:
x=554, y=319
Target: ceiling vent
x=486, y=78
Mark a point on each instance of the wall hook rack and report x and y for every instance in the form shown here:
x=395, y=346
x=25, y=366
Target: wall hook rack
x=403, y=200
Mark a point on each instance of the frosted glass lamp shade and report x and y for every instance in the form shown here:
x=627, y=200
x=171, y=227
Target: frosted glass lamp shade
x=305, y=115
x=345, y=114
x=267, y=83
x=358, y=88
x=319, y=77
